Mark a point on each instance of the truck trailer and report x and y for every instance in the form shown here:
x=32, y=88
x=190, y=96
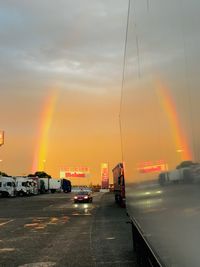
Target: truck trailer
x=50, y=185
x=159, y=120
x=66, y=185
x=119, y=185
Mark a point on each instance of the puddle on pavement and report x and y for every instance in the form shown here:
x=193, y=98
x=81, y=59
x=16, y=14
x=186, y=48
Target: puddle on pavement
x=39, y=264
x=40, y=224
x=2, y=250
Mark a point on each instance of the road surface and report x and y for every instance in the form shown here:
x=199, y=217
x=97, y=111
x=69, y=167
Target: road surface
x=50, y=230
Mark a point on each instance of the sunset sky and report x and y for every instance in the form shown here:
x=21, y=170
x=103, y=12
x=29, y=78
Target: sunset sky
x=60, y=81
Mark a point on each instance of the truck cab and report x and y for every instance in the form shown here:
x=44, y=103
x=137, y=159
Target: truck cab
x=23, y=187
x=7, y=187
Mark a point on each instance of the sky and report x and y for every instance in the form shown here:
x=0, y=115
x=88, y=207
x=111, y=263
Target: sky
x=60, y=83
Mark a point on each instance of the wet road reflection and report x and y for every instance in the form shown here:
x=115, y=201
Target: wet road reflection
x=82, y=209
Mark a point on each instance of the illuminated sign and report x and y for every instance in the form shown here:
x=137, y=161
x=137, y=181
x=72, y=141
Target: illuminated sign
x=1, y=138
x=104, y=176
x=75, y=172
x=77, y=169
x=149, y=166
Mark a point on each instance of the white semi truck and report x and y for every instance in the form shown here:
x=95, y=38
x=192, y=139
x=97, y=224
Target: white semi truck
x=7, y=186
x=33, y=185
x=23, y=186
x=182, y=175
x=50, y=185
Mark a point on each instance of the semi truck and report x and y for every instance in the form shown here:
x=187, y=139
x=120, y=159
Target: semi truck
x=159, y=120
x=177, y=176
x=7, y=187
x=54, y=185
x=119, y=184
x=23, y=186
x=49, y=185
x=66, y=185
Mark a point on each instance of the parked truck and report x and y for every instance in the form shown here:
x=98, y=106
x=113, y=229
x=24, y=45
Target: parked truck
x=159, y=119
x=66, y=186
x=23, y=186
x=177, y=176
x=50, y=185
x=34, y=187
x=119, y=184
x=7, y=187
x=55, y=185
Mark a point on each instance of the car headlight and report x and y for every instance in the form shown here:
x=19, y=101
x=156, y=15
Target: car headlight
x=86, y=197
x=75, y=197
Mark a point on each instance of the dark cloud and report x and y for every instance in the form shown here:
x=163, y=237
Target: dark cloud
x=65, y=40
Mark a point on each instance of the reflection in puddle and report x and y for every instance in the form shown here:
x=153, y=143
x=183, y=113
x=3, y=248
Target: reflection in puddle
x=37, y=226
x=84, y=233
x=110, y=238
x=82, y=209
x=5, y=222
x=86, y=213
x=191, y=211
x=39, y=264
x=31, y=225
x=40, y=224
x=65, y=219
x=53, y=220
x=7, y=249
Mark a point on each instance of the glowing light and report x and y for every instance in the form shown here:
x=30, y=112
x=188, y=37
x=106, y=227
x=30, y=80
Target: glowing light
x=44, y=130
x=169, y=107
x=149, y=166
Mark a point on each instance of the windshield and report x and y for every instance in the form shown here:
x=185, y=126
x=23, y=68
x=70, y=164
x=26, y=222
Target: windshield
x=82, y=193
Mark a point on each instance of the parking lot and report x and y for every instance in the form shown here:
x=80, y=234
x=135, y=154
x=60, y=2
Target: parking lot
x=51, y=230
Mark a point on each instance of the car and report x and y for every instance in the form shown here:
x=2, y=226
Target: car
x=83, y=196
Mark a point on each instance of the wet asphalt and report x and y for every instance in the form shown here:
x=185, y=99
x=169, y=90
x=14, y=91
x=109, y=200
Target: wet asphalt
x=50, y=230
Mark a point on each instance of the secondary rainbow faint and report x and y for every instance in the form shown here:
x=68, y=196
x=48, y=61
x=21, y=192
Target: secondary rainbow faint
x=167, y=103
x=41, y=150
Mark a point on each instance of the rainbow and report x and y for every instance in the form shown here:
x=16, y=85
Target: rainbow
x=168, y=105
x=40, y=153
